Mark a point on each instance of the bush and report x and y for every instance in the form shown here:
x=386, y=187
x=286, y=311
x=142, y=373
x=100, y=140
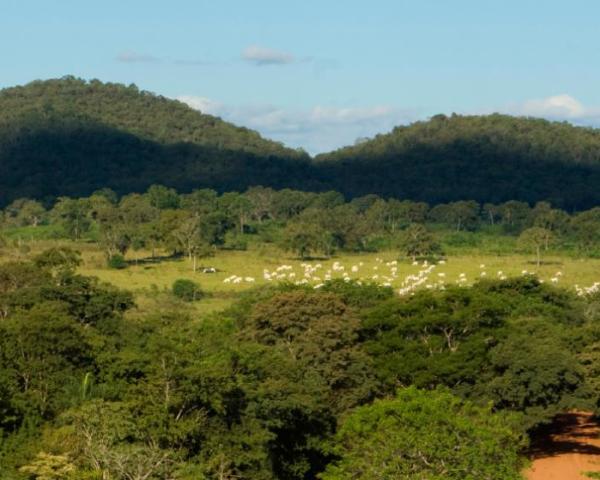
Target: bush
x=117, y=262
x=187, y=290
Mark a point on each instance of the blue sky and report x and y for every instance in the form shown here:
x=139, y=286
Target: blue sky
x=320, y=74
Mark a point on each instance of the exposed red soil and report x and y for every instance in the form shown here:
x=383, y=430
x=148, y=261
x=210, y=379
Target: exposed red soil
x=570, y=447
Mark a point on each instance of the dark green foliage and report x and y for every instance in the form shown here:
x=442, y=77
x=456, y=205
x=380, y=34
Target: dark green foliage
x=259, y=392
x=492, y=158
x=358, y=296
x=534, y=371
x=310, y=371
x=41, y=352
x=510, y=343
x=426, y=435
x=187, y=290
x=116, y=261
x=72, y=137
x=51, y=324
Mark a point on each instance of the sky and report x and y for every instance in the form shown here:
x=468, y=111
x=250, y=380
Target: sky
x=321, y=74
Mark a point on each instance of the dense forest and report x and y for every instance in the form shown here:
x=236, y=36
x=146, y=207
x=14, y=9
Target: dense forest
x=308, y=224
x=491, y=158
x=290, y=382
x=71, y=137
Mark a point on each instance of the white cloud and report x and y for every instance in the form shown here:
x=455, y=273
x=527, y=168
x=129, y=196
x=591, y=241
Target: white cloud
x=130, y=56
x=558, y=106
x=205, y=105
x=262, y=56
x=324, y=128
x=318, y=129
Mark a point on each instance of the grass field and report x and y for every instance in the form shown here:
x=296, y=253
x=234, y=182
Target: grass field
x=149, y=280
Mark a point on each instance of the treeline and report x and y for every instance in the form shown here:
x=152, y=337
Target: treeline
x=197, y=223
x=71, y=137
x=290, y=383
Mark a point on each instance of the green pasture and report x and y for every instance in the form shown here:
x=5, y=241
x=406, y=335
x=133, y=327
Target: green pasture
x=151, y=279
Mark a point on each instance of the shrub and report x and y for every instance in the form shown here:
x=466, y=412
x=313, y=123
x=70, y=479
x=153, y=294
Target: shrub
x=187, y=290
x=117, y=262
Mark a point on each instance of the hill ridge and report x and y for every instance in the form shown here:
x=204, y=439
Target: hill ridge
x=71, y=136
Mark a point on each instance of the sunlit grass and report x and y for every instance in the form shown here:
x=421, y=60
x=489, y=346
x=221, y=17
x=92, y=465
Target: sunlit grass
x=149, y=280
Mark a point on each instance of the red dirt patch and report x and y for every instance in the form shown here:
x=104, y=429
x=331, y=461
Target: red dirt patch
x=570, y=447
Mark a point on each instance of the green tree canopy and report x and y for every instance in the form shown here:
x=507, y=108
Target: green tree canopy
x=429, y=435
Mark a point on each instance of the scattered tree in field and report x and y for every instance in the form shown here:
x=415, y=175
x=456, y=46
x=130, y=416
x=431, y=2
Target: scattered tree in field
x=426, y=434
x=418, y=241
x=536, y=239
x=306, y=238
x=24, y=212
x=73, y=216
x=544, y=216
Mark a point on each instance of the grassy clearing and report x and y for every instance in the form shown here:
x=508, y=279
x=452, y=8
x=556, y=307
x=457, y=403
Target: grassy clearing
x=151, y=281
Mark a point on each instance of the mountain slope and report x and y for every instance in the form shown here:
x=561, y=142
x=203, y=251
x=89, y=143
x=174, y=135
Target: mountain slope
x=70, y=137
x=490, y=158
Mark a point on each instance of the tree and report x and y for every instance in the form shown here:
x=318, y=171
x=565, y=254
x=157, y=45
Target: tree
x=289, y=203
x=418, y=241
x=200, y=202
x=261, y=202
x=162, y=197
x=312, y=372
x=515, y=215
x=305, y=238
x=42, y=351
x=58, y=259
x=534, y=239
x=544, y=216
x=400, y=214
x=427, y=435
x=491, y=212
x=73, y=215
x=115, y=232
x=187, y=235
x=463, y=215
x=238, y=207
x=534, y=372
x=25, y=212
x=586, y=226
x=318, y=333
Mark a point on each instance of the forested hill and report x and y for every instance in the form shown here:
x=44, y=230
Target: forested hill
x=491, y=158
x=69, y=137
